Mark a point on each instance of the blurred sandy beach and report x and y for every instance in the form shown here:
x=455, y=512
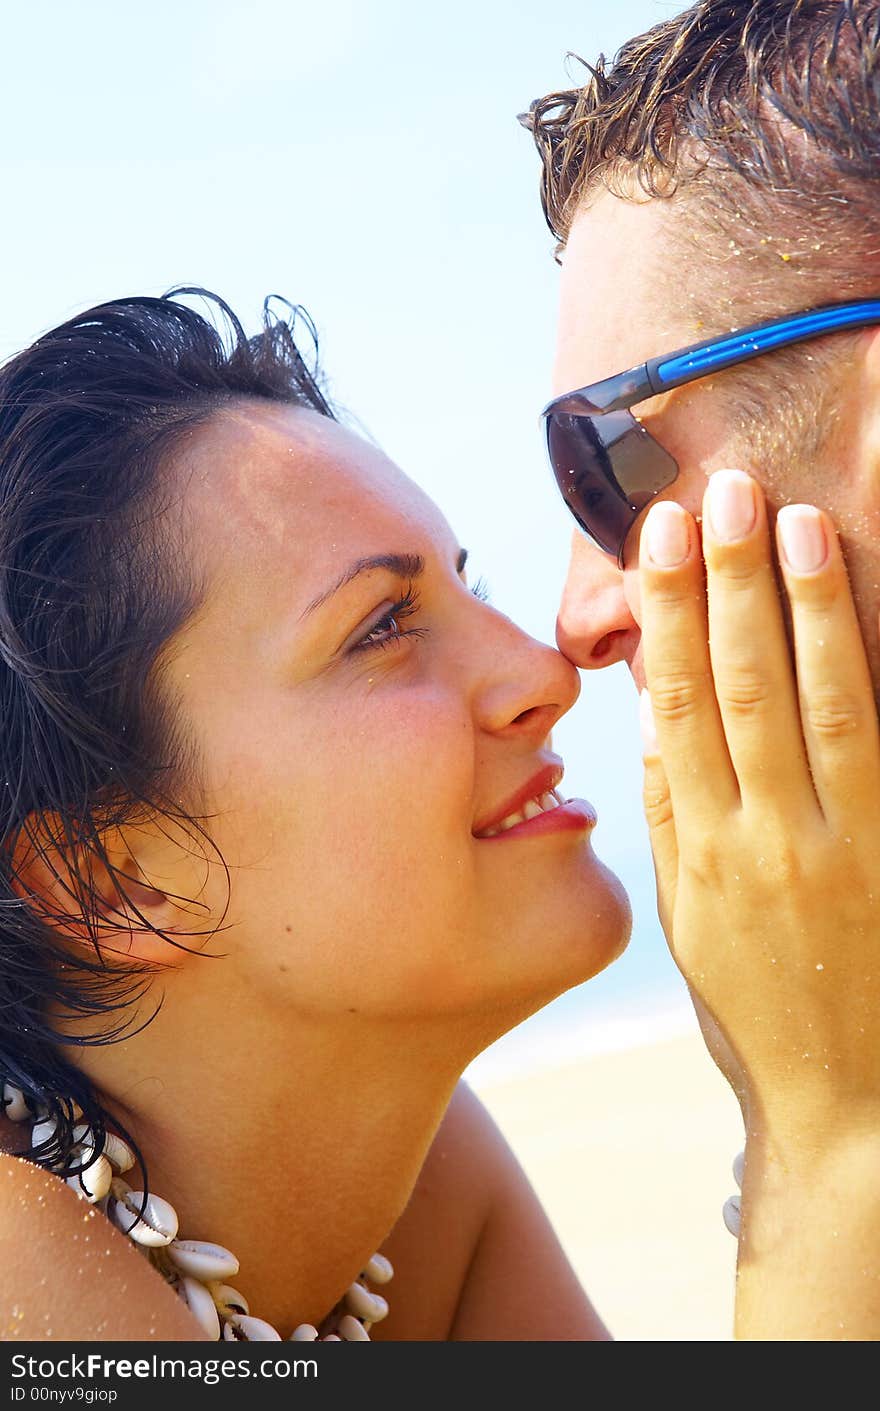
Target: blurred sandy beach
x=631, y=1154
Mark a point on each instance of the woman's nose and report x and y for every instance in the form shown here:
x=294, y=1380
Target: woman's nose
x=595, y=626
x=529, y=686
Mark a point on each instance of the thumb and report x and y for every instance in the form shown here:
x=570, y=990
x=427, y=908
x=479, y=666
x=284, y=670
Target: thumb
x=657, y=804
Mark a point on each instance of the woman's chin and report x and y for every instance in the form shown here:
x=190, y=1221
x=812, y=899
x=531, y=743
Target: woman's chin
x=568, y=945
x=590, y=925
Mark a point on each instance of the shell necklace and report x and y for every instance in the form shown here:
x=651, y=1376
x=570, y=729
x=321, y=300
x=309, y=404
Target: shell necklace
x=196, y=1269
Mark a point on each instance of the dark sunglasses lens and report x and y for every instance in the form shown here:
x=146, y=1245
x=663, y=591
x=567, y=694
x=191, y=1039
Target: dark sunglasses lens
x=607, y=468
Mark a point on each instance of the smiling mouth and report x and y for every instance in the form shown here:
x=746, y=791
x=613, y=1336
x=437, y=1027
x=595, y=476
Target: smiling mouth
x=543, y=803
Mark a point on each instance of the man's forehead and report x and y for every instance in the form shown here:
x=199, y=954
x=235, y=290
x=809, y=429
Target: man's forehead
x=624, y=295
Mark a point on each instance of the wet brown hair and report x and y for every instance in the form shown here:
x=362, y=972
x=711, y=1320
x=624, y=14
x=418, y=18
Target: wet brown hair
x=767, y=111
x=93, y=585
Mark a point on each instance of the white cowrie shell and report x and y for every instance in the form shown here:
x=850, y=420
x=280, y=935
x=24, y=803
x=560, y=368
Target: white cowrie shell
x=304, y=1333
x=731, y=1215
x=739, y=1165
x=380, y=1308
x=228, y=1299
x=14, y=1104
x=378, y=1269
x=200, y=1303
x=364, y=1304
x=351, y=1330
x=253, y=1329
x=94, y=1182
x=43, y=1131
x=155, y=1221
x=118, y=1152
x=203, y=1260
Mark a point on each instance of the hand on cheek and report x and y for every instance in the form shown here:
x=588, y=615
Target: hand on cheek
x=763, y=795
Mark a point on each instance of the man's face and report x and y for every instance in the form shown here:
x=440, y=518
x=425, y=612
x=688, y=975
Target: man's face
x=625, y=297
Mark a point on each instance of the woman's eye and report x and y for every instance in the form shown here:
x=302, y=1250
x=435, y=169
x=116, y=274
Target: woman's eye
x=388, y=631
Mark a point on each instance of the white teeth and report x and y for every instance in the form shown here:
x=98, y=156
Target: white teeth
x=531, y=809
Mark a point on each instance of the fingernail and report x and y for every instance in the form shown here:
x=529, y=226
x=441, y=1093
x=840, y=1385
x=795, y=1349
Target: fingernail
x=667, y=534
x=646, y=723
x=731, y=505
x=803, y=537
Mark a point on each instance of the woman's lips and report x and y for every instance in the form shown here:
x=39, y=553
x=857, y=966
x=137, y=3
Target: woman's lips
x=543, y=782
x=573, y=816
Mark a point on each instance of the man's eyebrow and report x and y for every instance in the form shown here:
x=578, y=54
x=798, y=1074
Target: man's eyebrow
x=403, y=565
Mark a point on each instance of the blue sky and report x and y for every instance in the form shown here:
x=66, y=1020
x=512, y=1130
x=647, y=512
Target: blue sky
x=363, y=160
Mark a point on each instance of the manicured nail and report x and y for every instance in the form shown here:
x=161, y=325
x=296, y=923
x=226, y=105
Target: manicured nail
x=803, y=537
x=667, y=534
x=646, y=723
x=731, y=505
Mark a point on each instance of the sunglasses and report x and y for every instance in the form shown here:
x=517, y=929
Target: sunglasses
x=606, y=464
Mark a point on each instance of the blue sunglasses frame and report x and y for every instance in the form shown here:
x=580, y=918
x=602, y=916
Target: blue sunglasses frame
x=608, y=467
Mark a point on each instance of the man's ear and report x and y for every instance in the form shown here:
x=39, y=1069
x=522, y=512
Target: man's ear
x=52, y=872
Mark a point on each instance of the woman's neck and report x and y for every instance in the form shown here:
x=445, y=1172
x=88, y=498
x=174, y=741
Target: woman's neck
x=300, y=1166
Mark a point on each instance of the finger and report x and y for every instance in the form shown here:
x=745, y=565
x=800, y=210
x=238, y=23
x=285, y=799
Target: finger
x=751, y=661
x=837, y=707
x=679, y=675
x=661, y=821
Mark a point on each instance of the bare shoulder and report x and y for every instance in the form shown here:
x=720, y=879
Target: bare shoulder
x=475, y=1255
x=67, y=1275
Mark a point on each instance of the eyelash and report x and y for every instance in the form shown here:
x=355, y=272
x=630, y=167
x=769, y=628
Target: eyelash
x=405, y=607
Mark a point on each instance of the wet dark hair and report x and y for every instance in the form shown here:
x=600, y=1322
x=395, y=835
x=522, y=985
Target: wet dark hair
x=94, y=581
x=762, y=108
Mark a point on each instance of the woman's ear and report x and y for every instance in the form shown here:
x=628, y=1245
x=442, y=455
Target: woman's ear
x=53, y=873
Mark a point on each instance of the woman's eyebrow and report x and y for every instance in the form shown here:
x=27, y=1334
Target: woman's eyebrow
x=404, y=565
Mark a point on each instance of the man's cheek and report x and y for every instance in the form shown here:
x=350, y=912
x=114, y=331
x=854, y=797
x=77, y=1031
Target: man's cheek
x=632, y=594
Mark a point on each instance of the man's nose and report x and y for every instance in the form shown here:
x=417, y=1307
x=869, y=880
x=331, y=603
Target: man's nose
x=595, y=626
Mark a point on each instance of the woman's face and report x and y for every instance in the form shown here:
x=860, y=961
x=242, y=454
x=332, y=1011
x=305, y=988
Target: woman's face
x=349, y=756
